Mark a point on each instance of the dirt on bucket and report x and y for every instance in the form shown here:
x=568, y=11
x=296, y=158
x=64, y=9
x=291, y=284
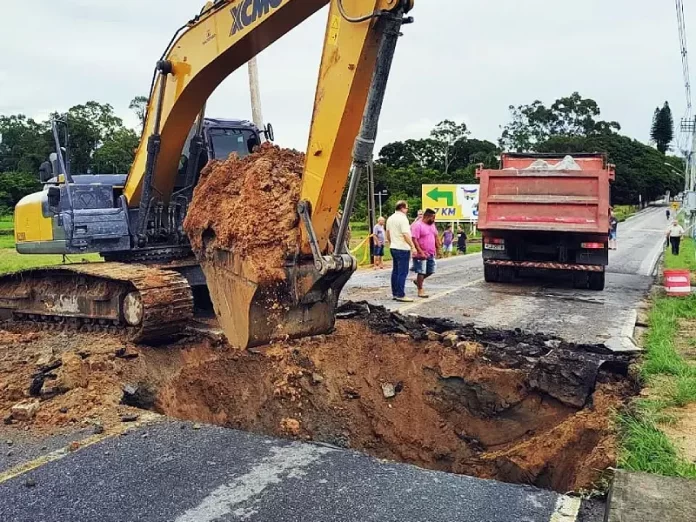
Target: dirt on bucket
x=248, y=207
x=510, y=406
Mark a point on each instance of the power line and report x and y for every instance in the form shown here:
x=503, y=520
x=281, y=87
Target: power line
x=688, y=123
x=684, y=52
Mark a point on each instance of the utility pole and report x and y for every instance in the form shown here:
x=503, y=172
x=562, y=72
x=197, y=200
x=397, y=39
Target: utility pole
x=256, y=112
x=371, y=218
x=379, y=195
x=688, y=126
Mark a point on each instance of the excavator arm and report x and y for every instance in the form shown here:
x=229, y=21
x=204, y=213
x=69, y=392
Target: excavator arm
x=225, y=36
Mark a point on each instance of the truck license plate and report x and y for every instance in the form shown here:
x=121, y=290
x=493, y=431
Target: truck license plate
x=490, y=246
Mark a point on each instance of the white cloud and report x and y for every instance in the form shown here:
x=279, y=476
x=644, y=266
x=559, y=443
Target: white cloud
x=461, y=57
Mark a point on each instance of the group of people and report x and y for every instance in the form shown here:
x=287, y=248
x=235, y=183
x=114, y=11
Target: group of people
x=419, y=242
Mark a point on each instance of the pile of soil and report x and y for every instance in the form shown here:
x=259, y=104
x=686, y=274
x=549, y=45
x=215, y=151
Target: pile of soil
x=504, y=405
x=249, y=207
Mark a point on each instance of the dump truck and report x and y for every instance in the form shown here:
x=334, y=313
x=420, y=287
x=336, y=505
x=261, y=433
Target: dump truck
x=546, y=212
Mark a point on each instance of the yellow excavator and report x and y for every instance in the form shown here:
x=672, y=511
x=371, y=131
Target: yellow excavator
x=147, y=280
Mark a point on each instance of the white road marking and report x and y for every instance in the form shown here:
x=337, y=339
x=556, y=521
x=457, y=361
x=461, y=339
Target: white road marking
x=648, y=269
x=567, y=509
x=422, y=302
x=283, y=462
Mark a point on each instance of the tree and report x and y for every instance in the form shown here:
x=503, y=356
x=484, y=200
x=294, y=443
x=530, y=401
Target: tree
x=662, y=130
x=89, y=125
x=640, y=169
x=25, y=143
x=116, y=154
x=139, y=106
x=14, y=186
x=446, y=134
x=569, y=116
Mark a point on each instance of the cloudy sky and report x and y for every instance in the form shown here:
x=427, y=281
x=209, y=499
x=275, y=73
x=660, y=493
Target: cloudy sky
x=462, y=59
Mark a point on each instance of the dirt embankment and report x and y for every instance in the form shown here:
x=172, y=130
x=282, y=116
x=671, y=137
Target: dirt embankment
x=248, y=207
x=504, y=405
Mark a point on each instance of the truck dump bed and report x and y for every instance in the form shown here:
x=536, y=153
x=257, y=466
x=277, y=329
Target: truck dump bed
x=546, y=193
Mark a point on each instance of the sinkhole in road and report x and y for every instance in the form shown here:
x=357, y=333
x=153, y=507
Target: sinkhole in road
x=511, y=406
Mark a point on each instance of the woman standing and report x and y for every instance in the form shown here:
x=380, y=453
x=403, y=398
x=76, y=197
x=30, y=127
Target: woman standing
x=448, y=241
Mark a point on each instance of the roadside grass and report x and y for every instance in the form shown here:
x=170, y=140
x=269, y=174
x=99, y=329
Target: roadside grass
x=646, y=448
x=7, y=241
x=686, y=258
x=623, y=212
x=670, y=382
x=11, y=261
x=6, y=223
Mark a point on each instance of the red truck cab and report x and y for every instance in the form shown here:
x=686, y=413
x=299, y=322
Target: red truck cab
x=549, y=212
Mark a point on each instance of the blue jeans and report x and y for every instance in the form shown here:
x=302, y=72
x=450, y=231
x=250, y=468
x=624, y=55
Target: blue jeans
x=401, y=259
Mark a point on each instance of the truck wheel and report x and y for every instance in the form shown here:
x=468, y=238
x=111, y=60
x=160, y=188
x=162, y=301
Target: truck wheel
x=597, y=281
x=581, y=280
x=491, y=273
x=506, y=274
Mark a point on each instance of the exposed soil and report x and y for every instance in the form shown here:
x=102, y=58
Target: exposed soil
x=685, y=340
x=503, y=405
x=248, y=207
x=683, y=431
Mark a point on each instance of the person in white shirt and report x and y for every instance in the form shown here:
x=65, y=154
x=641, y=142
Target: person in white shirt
x=675, y=232
x=401, y=247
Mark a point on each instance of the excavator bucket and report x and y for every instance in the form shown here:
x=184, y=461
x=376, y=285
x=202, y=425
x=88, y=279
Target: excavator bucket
x=244, y=226
x=253, y=313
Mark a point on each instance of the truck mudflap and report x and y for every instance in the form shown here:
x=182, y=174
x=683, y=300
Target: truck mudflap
x=547, y=265
x=148, y=304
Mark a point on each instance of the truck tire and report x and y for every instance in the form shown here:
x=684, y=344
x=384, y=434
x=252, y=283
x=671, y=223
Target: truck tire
x=491, y=273
x=581, y=280
x=506, y=274
x=597, y=281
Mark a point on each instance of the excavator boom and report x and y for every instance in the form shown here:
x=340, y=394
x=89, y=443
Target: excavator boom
x=224, y=37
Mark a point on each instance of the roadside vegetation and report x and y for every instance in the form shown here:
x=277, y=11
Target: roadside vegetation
x=623, y=212
x=11, y=261
x=668, y=372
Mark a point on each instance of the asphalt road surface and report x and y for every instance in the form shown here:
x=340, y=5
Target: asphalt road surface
x=169, y=471
x=547, y=304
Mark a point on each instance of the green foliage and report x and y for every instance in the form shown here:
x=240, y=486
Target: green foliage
x=98, y=143
x=26, y=143
x=686, y=258
x=645, y=448
x=661, y=356
x=139, y=106
x=640, y=169
x=448, y=156
x=11, y=261
x=116, y=154
x=662, y=130
x=623, y=212
x=446, y=134
x=535, y=123
x=13, y=187
x=90, y=126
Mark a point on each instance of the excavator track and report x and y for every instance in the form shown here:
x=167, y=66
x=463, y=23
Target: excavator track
x=146, y=303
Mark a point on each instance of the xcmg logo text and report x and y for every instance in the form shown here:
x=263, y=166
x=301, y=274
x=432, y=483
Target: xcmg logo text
x=249, y=11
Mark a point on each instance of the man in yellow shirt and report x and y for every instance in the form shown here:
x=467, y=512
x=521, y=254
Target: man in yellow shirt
x=401, y=247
